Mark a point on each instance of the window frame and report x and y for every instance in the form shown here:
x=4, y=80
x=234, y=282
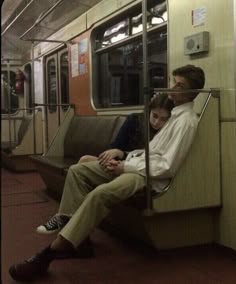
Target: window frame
x=98, y=30
x=11, y=110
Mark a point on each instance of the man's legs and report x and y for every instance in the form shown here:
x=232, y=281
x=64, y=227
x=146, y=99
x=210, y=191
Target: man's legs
x=80, y=180
x=94, y=208
x=98, y=203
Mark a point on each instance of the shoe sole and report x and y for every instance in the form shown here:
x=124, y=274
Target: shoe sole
x=47, y=232
x=13, y=273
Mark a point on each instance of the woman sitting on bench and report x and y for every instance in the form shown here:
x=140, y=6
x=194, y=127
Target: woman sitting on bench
x=131, y=135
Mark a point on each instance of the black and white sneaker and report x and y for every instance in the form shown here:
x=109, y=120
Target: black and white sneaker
x=54, y=225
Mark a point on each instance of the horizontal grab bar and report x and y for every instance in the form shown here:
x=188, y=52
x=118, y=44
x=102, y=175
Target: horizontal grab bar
x=72, y=105
x=215, y=91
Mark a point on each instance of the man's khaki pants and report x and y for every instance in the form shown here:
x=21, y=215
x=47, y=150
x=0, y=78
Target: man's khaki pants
x=89, y=194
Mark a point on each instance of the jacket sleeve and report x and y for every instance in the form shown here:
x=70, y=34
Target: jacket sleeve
x=121, y=141
x=165, y=159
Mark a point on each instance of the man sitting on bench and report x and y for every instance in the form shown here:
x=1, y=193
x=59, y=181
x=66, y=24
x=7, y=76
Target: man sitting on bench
x=91, y=190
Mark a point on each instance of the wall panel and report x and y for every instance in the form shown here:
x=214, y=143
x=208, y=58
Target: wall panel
x=219, y=66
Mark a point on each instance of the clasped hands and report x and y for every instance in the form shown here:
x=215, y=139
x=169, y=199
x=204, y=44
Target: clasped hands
x=109, y=164
x=114, y=167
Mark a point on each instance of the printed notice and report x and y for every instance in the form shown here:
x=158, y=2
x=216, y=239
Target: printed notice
x=83, y=64
x=198, y=16
x=75, y=60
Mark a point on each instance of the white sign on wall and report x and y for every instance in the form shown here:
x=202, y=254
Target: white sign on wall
x=198, y=16
x=75, y=60
x=38, y=81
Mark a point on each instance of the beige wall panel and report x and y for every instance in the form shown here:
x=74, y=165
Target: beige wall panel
x=228, y=104
x=165, y=231
x=197, y=182
x=227, y=221
x=57, y=146
x=73, y=29
x=26, y=146
x=66, y=33
x=218, y=63
x=180, y=229
x=220, y=72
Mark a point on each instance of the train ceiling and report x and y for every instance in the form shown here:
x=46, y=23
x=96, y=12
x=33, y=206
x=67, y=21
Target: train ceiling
x=35, y=19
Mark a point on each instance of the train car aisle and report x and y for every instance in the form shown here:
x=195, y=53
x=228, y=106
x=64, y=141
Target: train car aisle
x=25, y=205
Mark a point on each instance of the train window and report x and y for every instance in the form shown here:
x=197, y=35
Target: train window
x=133, y=25
x=158, y=13
x=64, y=82
x=6, y=90
x=52, y=85
x=28, y=85
x=115, y=33
x=117, y=60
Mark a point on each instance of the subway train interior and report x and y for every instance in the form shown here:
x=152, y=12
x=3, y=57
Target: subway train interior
x=72, y=71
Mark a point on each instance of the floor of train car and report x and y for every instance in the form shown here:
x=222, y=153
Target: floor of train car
x=25, y=205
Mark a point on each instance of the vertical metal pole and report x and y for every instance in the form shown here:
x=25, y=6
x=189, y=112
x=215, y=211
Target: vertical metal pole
x=146, y=106
x=9, y=101
x=33, y=97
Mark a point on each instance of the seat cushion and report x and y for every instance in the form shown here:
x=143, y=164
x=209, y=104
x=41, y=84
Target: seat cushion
x=90, y=135
x=59, y=163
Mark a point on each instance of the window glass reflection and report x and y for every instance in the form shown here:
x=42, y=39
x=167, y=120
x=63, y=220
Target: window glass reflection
x=8, y=88
x=115, y=33
x=64, y=80
x=52, y=86
x=118, y=67
x=28, y=81
x=121, y=73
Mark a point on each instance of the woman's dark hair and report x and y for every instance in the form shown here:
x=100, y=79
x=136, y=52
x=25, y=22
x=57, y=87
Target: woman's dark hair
x=194, y=75
x=161, y=101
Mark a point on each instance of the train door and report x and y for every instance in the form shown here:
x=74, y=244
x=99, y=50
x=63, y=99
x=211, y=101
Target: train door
x=57, y=91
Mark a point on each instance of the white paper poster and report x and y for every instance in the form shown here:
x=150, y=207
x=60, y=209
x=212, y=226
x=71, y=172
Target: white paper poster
x=83, y=47
x=198, y=16
x=75, y=60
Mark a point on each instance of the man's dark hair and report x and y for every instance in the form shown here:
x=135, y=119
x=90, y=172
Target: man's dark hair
x=161, y=101
x=194, y=75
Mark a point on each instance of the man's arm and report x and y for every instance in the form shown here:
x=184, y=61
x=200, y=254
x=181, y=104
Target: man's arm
x=167, y=154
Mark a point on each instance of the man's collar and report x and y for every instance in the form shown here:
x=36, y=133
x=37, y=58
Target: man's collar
x=179, y=109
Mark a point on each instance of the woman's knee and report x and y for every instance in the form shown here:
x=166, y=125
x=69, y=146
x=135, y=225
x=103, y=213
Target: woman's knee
x=87, y=158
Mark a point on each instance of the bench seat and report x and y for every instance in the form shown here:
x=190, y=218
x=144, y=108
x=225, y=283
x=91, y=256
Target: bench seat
x=58, y=163
x=77, y=136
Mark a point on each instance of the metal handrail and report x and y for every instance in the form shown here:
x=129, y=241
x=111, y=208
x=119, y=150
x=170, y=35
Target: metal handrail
x=27, y=108
x=210, y=95
x=10, y=118
x=71, y=105
x=38, y=21
x=146, y=93
x=212, y=92
x=215, y=91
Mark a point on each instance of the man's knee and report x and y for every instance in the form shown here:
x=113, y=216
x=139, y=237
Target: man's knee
x=83, y=169
x=74, y=167
x=99, y=196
